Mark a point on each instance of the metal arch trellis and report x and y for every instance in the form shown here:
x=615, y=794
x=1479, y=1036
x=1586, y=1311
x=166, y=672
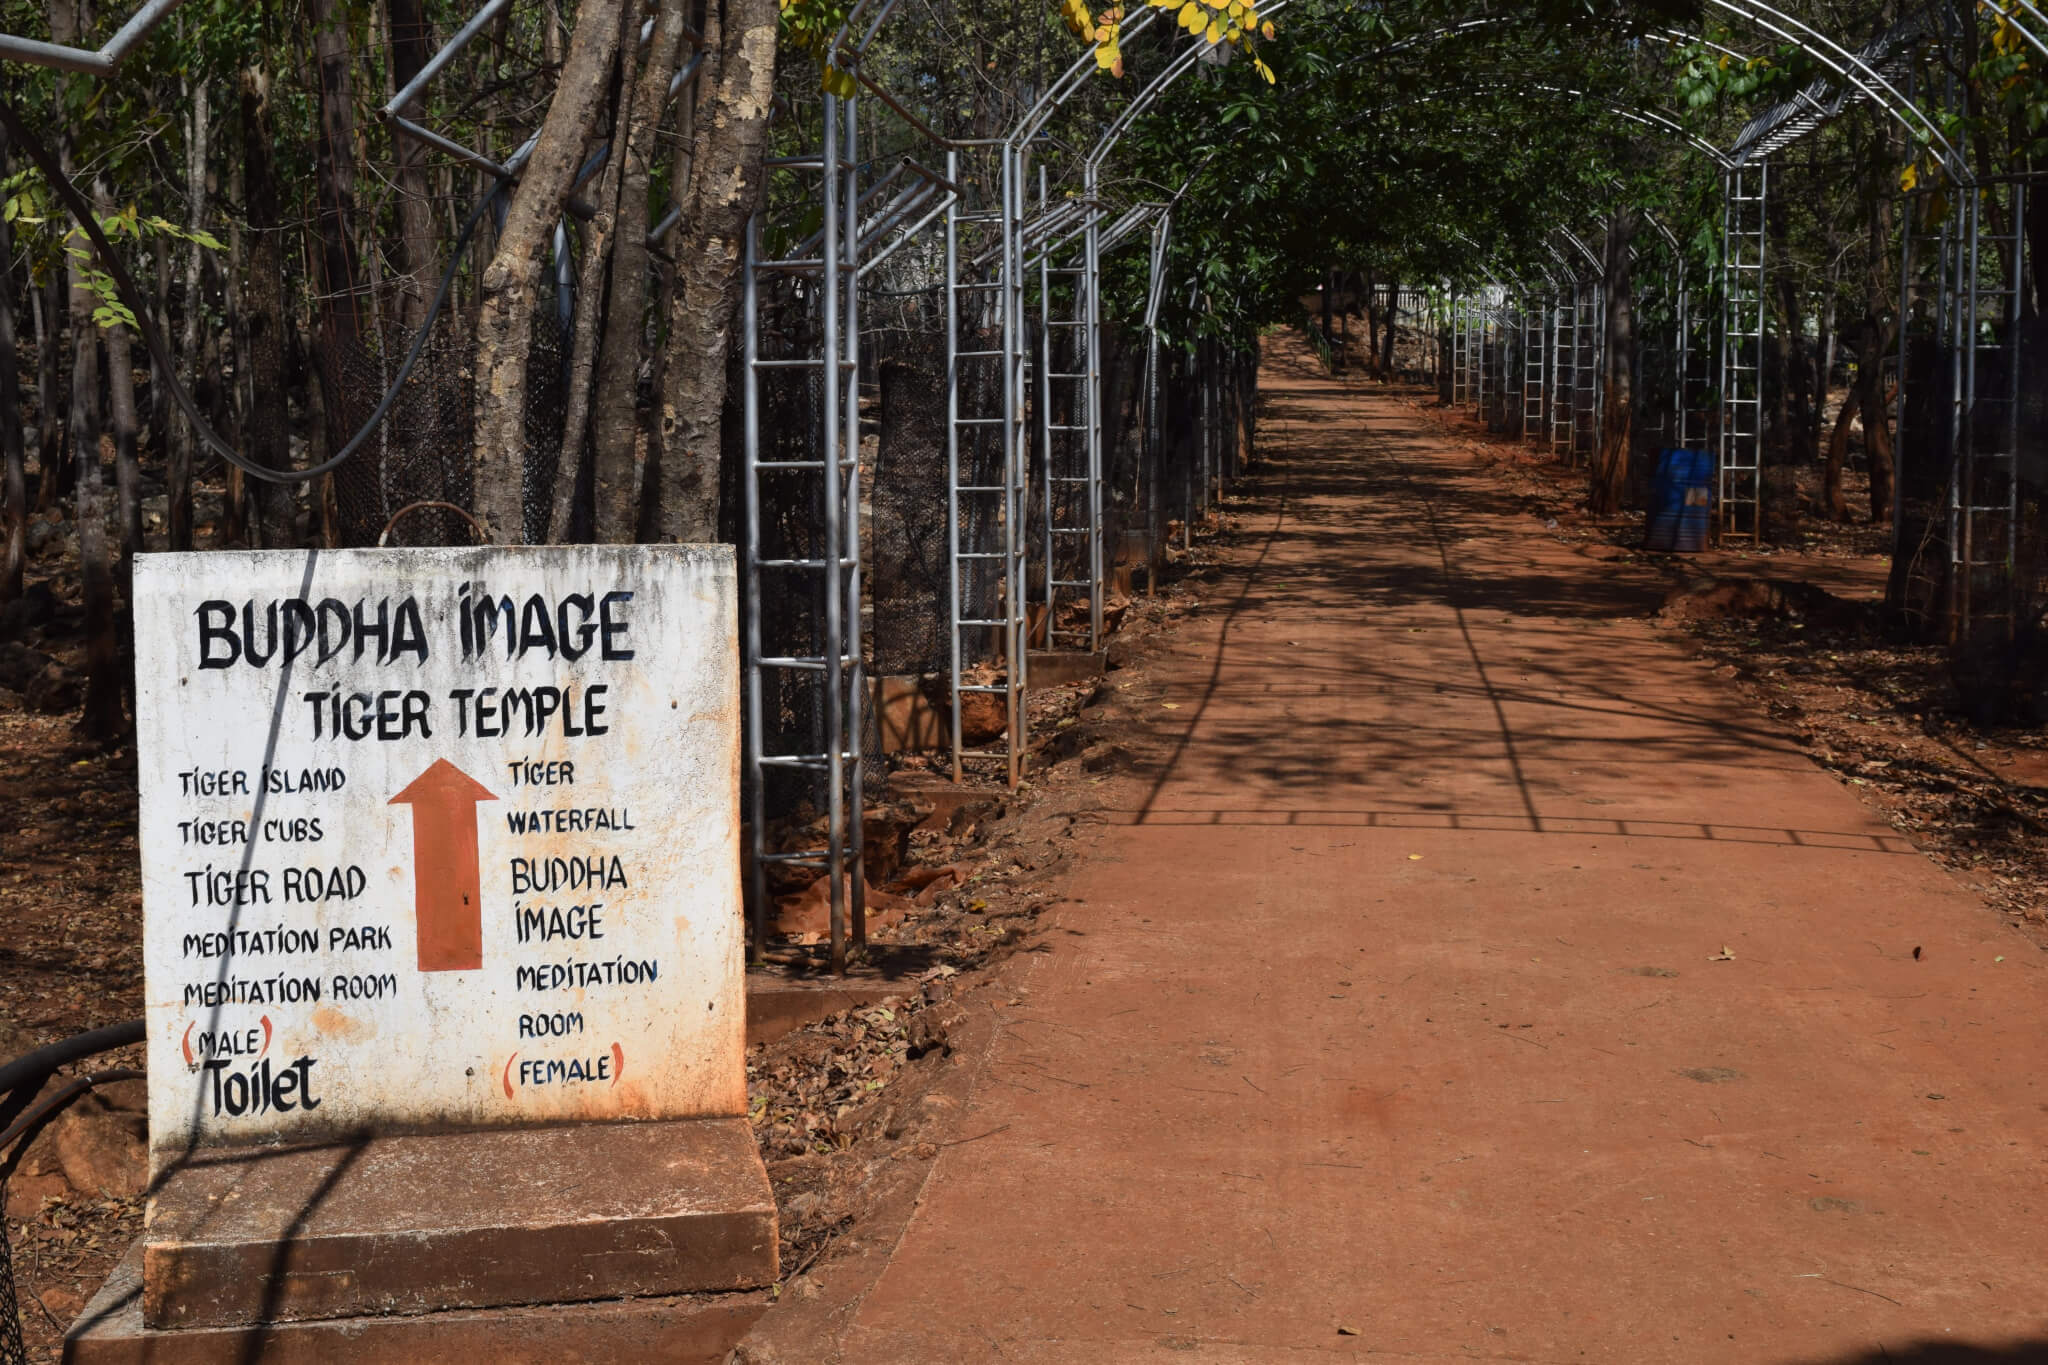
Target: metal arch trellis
x=834, y=272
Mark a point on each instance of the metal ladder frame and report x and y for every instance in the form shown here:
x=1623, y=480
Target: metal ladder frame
x=838, y=663
x=1007, y=547
x=1590, y=346
x=1745, y=190
x=1984, y=482
x=1535, y=311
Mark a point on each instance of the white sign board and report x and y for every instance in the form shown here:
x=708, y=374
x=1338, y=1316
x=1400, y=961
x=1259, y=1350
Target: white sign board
x=438, y=839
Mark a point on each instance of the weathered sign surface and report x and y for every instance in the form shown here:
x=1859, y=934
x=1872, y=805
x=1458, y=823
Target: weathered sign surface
x=438, y=839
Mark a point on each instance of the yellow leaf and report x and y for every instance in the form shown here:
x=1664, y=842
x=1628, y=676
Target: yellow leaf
x=1268, y=31
x=1215, y=34
x=1909, y=177
x=1264, y=70
x=1191, y=16
x=1105, y=57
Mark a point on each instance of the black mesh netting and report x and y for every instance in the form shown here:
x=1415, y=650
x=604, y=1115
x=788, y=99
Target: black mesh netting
x=907, y=494
x=982, y=529
x=792, y=527
x=423, y=451
x=2000, y=644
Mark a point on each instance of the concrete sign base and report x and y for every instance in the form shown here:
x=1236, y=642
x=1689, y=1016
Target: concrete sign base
x=698, y=1329
x=289, y=1248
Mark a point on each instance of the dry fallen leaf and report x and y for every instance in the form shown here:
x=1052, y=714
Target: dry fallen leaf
x=1344, y=1331
x=1723, y=956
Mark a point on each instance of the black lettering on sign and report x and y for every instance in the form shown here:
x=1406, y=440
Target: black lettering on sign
x=208, y=832
x=386, y=716
x=291, y=781
x=304, y=885
x=493, y=712
x=261, y=1088
x=558, y=1025
x=558, y=976
x=251, y=942
x=379, y=987
x=354, y=938
x=546, y=924
x=207, y=782
x=212, y=885
x=564, y=630
x=555, y=1071
x=242, y=990
x=599, y=872
x=286, y=628
x=572, y=821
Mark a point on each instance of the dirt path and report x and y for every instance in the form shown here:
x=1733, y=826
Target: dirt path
x=1391, y=1014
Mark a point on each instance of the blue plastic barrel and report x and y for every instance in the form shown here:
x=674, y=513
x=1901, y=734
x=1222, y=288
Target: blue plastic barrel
x=1680, y=501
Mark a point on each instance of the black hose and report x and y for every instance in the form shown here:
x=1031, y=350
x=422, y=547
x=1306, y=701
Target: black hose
x=35, y=1067
x=51, y=1105
x=124, y=286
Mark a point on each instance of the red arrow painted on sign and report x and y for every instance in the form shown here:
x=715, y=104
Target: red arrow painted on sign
x=446, y=882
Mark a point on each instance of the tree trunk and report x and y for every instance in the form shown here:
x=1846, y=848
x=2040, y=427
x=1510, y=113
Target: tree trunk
x=511, y=282
x=1329, y=304
x=266, y=438
x=1393, y=319
x=1838, y=456
x=49, y=305
x=342, y=299
x=102, y=717
x=585, y=337
x=159, y=386
x=183, y=439
x=412, y=43
x=229, y=364
x=13, y=474
x=619, y=483
x=1609, y=488
x=1873, y=343
x=1871, y=404
x=121, y=400
x=725, y=184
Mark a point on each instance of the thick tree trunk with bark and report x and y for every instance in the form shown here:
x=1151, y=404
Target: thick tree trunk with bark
x=620, y=478
x=266, y=438
x=13, y=448
x=342, y=304
x=1609, y=489
x=511, y=282
x=591, y=292
x=725, y=185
